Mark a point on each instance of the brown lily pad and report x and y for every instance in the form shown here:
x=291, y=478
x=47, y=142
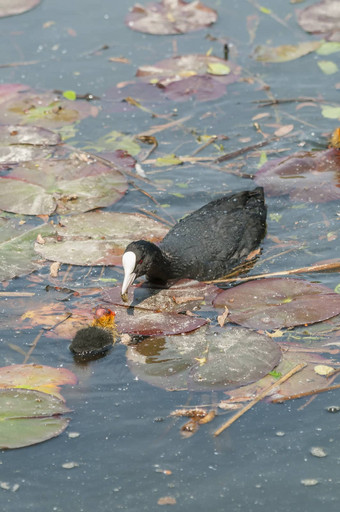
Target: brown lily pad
x=281, y=302
x=170, y=17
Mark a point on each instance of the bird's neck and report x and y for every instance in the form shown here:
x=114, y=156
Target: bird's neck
x=159, y=270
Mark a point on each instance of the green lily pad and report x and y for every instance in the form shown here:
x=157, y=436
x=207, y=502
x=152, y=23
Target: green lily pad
x=17, y=256
x=98, y=238
x=42, y=187
x=207, y=359
x=281, y=302
x=29, y=417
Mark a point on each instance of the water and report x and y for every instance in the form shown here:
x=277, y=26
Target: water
x=127, y=443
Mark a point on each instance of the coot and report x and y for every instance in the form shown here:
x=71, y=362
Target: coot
x=207, y=244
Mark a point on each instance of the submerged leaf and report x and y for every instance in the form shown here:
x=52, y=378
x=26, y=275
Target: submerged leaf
x=276, y=303
x=17, y=256
x=205, y=359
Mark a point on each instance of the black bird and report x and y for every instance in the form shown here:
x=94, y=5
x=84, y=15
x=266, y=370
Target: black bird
x=207, y=244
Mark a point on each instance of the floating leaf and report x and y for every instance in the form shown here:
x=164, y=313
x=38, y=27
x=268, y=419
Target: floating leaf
x=115, y=140
x=29, y=417
x=308, y=176
x=204, y=88
x=17, y=256
x=327, y=48
x=46, y=109
x=330, y=112
x=185, y=66
x=43, y=187
x=70, y=95
x=168, y=160
x=218, y=68
x=98, y=238
x=205, y=359
x=23, y=143
x=170, y=17
x=328, y=67
x=285, y=52
x=141, y=323
x=275, y=303
x=38, y=377
x=12, y=7
x=322, y=18
x=304, y=381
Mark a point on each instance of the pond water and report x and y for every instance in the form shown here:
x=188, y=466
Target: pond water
x=129, y=454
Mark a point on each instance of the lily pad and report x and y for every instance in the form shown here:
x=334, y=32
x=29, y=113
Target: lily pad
x=29, y=417
x=23, y=143
x=204, y=88
x=12, y=7
x=98, y=238
x=285, y=52
x=46, y=109
x=181, y=67
x=170, y=17
x=141, y=323
x=64, y=186
x=322, y=18
x=38, y=377
x=207, y=359
x=185, y=295
x=17, y=256
x=305, y=381
x=275, y=303
x=307, y=176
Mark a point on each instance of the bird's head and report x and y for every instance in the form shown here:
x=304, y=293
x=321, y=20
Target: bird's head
x=137, y=261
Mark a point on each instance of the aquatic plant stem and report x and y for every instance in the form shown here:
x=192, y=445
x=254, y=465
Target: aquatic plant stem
x=259, y=397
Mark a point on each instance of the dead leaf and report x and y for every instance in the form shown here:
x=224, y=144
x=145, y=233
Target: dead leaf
x=284, y=130
x=223, y=318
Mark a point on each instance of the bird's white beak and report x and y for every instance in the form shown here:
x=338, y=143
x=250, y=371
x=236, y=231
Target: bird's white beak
x=129, y=264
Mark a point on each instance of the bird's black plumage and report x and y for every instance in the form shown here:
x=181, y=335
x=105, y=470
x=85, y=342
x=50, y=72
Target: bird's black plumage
x=206, y=244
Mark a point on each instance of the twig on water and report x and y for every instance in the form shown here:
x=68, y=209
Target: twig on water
x=324, y=267
x=259, y=397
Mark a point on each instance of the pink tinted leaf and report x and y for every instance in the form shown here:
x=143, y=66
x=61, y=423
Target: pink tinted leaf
x=170, y=17
x=275, y=303
x=307, y=176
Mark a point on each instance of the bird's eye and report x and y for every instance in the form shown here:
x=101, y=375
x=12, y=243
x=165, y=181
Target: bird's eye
x=140, y=261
